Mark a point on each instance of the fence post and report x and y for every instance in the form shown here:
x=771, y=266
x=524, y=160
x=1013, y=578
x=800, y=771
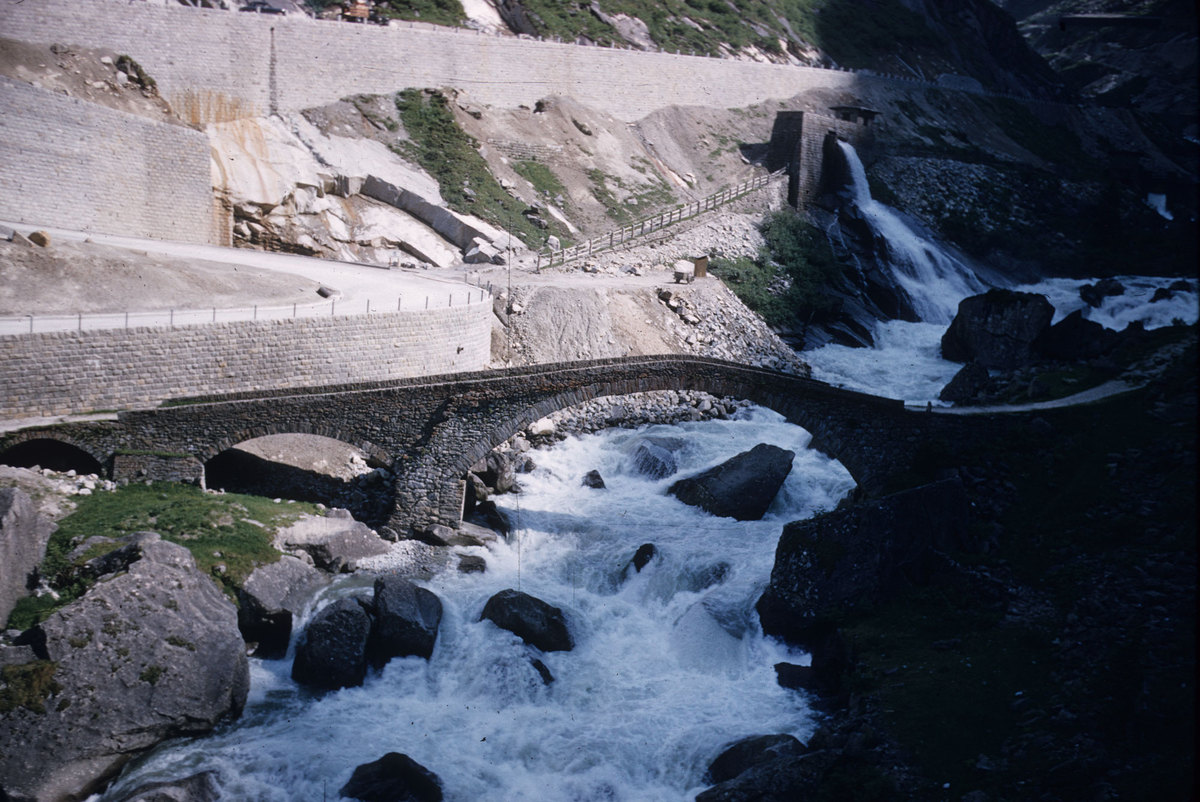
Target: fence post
x=31, y=322
x=172, y=318
x=293, y=310
x=426, y=301
x=80, y=324
x=255, y=313
x=127, y=317
x=214, y=316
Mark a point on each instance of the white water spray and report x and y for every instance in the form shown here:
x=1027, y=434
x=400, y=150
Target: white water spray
x=669, y=664
x=934, y=280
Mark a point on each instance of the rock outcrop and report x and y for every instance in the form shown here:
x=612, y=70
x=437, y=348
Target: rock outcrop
x=150, y=652
x=997, y=329
x=859, y=555
x=539, y=624
x=742, y=487
x=23, y=537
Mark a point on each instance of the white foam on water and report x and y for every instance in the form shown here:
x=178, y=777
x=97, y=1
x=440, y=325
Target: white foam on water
x=669, y=664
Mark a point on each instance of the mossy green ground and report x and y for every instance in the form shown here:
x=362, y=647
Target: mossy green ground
x=228, y=529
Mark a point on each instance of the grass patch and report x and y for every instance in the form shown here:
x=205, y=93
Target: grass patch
x=452, y=157
x=542, y=178
x=237, y=527
x=786, y=285
x=28, y=685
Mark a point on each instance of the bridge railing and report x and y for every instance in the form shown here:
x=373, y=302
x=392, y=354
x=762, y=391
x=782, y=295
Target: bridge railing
x=170, y=318
x=548, y=257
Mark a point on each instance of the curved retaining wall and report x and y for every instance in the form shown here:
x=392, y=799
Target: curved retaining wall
x=213, y=65
x=74, y=372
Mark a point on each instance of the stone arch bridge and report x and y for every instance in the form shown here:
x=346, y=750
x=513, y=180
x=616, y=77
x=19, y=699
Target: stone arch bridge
x=429, y=431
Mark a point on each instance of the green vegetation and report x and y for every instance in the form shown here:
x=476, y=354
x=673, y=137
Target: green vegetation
x=27, y=685
x=236, y=527
x=152, y=674
x=451, y=156
x=787, y=283
x=541, y=177
x=853, y=33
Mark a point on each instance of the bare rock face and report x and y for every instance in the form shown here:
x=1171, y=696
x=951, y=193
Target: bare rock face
x=270, y=600
x=149, y=653
x=336, y=542
x=23, y=537
x=742, y=487
x=997, y=329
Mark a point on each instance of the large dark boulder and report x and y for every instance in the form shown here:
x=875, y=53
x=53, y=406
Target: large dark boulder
x=748, y=752
x=997, y=329
x=332, y=652
x=23, y=537
x=269, y=601
x=406, y=620
x=1074, y=337
x=859, y=555
x=393, y=778
x=539, y=624
x=149, y=653
x=742, y=487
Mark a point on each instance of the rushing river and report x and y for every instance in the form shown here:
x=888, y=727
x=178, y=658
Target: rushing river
x=669, y=664
x=906, y=361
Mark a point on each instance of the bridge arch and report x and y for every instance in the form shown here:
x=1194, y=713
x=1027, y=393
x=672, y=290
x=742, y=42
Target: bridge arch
x=467, y=445
x=59, y=452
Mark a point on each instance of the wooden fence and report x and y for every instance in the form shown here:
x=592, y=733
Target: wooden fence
x=549, y=256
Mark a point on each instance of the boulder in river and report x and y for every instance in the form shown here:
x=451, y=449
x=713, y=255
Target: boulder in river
x=997, y=329
x=594, y=480
x=655, y=456
x=539, y=624
x=148, y=653
x=742, y=755
x=742, y=487
x=271, y=598
x=1094, y=294
x=406, y=620
x=332, y=652
x=1075, y=337
x=395, y=777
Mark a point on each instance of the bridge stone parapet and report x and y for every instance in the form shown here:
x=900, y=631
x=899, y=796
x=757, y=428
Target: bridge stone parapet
x=430, y=430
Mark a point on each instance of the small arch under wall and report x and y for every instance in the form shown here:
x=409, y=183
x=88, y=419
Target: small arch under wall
x=101, y=457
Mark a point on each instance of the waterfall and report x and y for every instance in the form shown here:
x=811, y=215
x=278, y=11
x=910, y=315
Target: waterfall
x=934, y=280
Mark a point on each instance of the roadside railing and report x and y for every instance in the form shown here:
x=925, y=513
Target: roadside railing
x=171, y=318
x=548, y=257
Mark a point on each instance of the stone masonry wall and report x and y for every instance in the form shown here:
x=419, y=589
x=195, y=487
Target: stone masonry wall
x=71, y=372
x=214, y=65
x=82, y=166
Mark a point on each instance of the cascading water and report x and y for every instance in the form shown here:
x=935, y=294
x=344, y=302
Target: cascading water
x=669, y=663
x=906, y=361
x=934, y=280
